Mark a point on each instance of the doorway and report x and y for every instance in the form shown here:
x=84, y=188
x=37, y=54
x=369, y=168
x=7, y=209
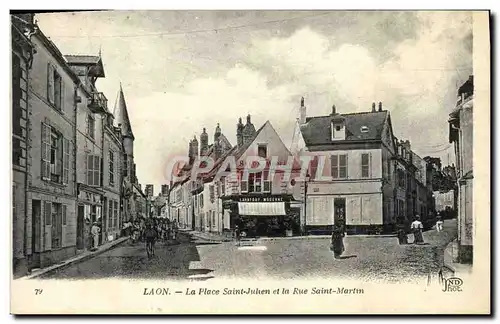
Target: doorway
x=339, y=212
x=36, y=216
x=80, y=241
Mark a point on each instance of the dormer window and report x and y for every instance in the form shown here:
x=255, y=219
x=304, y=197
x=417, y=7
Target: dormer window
x=337, y=130
x=364, y=129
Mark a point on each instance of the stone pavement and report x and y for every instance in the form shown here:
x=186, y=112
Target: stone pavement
x=86, y=255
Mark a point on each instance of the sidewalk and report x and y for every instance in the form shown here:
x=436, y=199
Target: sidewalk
x=450, y=260
x=213, y=237
x=76, y=259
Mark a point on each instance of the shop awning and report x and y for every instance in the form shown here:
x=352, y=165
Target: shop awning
x=261, y=208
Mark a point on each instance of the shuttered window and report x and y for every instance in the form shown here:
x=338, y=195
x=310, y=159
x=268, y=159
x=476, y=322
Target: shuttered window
x=55, y=88
x=365, y=165
x=66, y=155
x=46, y=131
x=93, y=170
x=111, y=168
x=339, y=166
x=48, y=213
x=64, y=215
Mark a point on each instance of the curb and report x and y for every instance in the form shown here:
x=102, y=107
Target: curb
x=75, y=260
x=311, y=237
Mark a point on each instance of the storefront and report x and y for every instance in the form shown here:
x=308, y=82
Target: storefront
x=268, y=215
x=89, y=211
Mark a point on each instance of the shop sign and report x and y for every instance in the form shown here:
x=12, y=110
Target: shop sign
x=261, y=199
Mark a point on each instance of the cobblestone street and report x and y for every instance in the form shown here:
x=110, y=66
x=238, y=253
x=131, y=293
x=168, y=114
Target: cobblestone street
x=366, y=258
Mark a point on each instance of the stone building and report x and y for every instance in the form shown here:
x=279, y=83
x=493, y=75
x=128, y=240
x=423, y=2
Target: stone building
x=134, y=202
x=52, y=156
x=363, y=184
x=90, y=118
x=112, y=178
x=22, y=28
x=461, y=135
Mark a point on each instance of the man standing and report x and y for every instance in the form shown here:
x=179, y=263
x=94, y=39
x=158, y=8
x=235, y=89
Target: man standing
x=94, y=231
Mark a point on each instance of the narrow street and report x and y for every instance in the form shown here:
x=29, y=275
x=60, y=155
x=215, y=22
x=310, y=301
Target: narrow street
x=366, y=258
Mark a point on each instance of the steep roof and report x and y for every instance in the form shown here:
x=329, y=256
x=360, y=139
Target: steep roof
x=90, y=60
x=316, y=130
x=121, y=115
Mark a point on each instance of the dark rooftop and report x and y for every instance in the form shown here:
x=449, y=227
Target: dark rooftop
x=316, y=130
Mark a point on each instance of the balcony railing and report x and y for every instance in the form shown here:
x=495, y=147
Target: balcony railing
x=98, y=102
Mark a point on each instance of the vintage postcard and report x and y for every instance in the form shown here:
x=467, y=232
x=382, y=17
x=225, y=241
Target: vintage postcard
x=250, y=162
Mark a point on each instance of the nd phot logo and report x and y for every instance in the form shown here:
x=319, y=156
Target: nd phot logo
x=453, y=284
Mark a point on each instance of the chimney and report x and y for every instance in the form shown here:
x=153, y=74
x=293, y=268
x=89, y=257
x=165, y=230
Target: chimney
x=217, y=133
x=195, y=148
x=217, y=146
x=248, y=131
x=190, y=152
x=379, y=106
x=239, y=132
x=302, y=118
x=334, y=110
x=373, y=107
x=203, y=142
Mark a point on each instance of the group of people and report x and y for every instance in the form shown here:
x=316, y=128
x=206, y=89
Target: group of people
x=142, y=229
x=416, y=228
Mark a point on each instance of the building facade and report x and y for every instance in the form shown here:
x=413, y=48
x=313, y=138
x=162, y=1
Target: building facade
x=22, y=28
x=112, y=153
x=461, y=134
x=366, y=180
x=133, y=200
x=52, y=184
x=90, y=118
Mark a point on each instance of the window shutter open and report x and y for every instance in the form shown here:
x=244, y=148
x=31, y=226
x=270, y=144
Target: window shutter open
x=63, y=92
x=66, y=155
x=90, y=168
x=335, y=166
x=45, y=151
x=64, y=216
x=48, y=213
x=50, y=83
x=97, y=170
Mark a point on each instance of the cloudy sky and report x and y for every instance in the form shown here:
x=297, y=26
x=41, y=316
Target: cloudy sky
x=185, y=70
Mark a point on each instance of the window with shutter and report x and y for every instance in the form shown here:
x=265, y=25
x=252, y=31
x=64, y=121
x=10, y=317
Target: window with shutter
x=111, y=168
x=335, y=166
x=48, y=213
x=66, y=152
x=343, y=166
x=64, y=215
x=365, y=165
x=97, y=170
x=50, y=83
x=46, y=131
x=90, y=170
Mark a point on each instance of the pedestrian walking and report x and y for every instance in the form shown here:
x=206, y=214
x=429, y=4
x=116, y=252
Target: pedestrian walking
x=416, y=228
x=94, y=231
x=439, y=223
x=337, y=244
x=401, y=229
x=175, y=227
